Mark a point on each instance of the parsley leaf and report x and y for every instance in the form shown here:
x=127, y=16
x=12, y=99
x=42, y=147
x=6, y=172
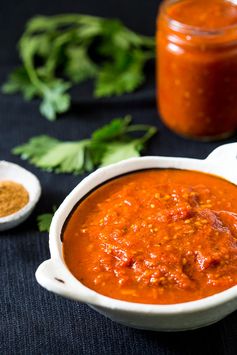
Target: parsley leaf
x=65, y=157
x=44, y=221
x=78, y=47
x=79, y=66
x=109, y=144
x=122, y=76
x=35, y=148
x=19, y=81
x=114, y=129
x=55, y=100
x=120, y=151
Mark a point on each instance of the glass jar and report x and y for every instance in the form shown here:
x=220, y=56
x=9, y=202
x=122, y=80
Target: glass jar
x=197, y=67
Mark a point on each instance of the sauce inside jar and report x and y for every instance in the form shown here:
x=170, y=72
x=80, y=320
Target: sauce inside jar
x=155, y=236
x=197, y=67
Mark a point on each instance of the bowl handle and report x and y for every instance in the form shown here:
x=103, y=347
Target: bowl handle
x=225, y=154
x=53, y=276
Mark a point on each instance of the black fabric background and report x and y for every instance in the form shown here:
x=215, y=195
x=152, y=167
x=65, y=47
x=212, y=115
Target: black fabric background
x=33, y=321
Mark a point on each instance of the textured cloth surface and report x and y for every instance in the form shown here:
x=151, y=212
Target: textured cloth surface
x=32, y=320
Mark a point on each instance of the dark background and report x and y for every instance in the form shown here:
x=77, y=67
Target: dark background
x=33, y=321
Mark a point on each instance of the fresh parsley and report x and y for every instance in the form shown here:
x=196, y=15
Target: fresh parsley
x=78, y=47
x=44, y=221
x=109, y=144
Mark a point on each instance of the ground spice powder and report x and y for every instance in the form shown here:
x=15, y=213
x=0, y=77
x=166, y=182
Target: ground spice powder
x=13, y=197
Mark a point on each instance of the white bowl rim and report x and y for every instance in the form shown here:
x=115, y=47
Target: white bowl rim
x=80, y=292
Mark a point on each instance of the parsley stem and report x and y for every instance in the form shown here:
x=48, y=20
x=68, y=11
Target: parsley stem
x=140, y=127
x=150, y=131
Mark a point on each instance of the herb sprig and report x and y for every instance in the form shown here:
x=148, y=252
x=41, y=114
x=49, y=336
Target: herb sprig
x=44, y=221
x=78, y=47
x=109, y=144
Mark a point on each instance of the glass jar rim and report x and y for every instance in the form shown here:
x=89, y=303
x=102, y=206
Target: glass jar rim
x=189, y=29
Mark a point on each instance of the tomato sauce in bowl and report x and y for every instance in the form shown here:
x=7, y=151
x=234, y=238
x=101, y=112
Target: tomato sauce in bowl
x=156, y=237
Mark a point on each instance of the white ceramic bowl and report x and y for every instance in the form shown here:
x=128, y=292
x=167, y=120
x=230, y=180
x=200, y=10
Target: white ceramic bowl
x=13, y=172
x=54, y=275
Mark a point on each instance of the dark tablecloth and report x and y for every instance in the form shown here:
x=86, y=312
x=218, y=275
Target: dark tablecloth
x=32, y=320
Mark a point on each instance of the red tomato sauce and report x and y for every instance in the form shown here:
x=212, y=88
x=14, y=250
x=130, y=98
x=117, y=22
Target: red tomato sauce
x=197, y=67
x=155, y=236
x=205, y=14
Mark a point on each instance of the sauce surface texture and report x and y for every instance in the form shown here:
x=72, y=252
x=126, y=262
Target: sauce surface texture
x=156, y=236
x=205, y=14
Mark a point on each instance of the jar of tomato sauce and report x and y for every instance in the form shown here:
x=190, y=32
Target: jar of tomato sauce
x=197, y=67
